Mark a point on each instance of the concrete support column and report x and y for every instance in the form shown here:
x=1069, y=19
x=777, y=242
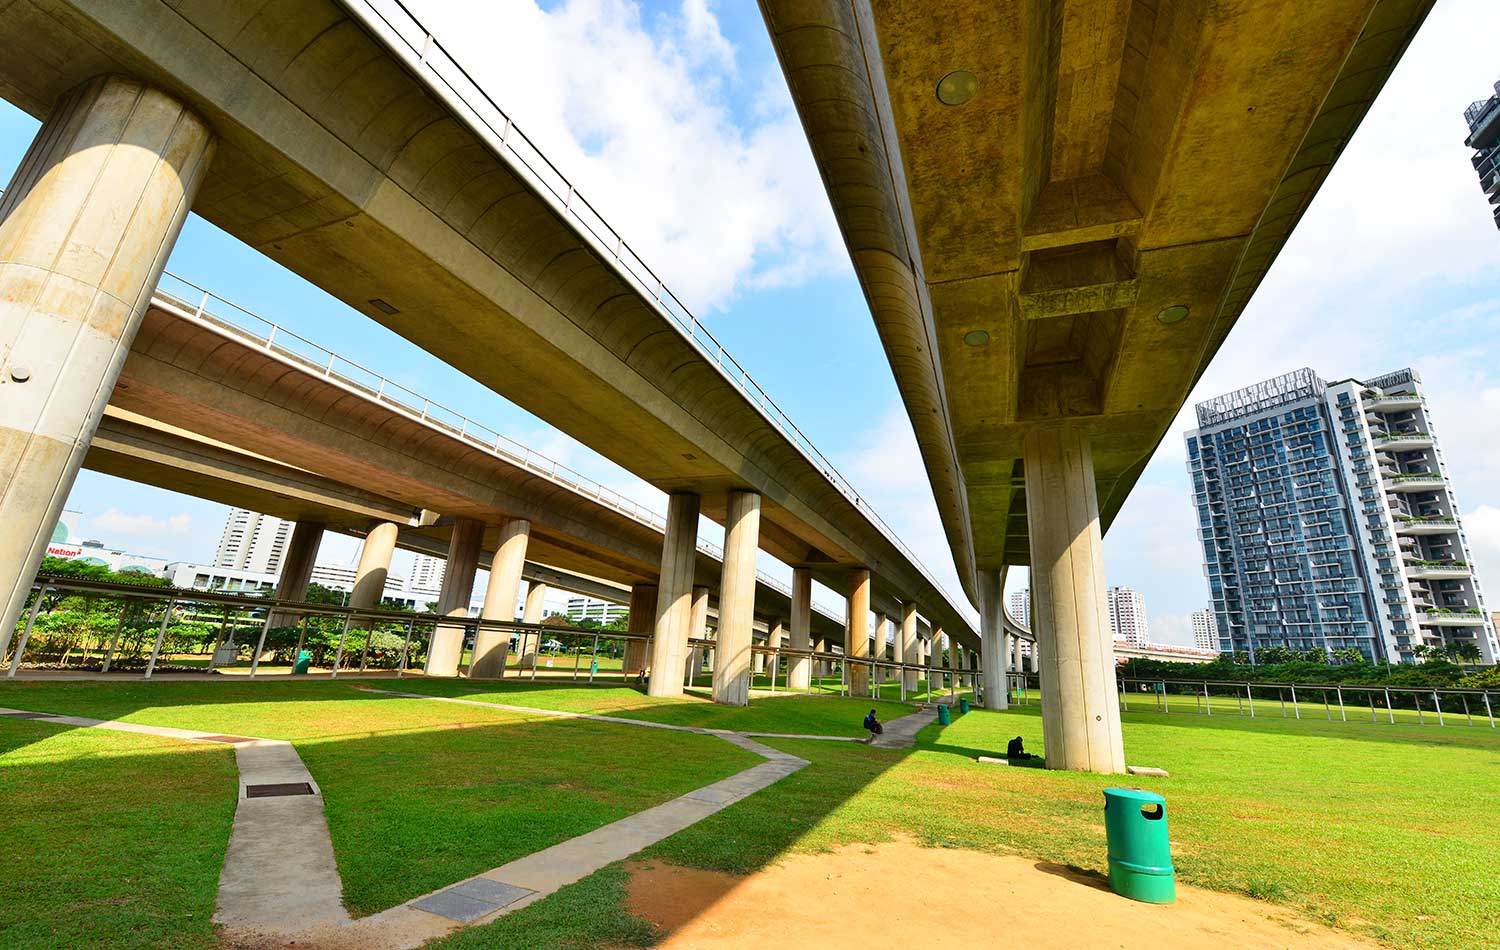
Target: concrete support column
x=533, y=611
x=878, y=645
x=297, y=567
x=758, y=664
x=934, y=659
x=453, y=600
x=374, y=565
x=674, y=599
x=642, y=621
x=799, y=669
x=491, y=646
x=857, y=647
x=911, y=647
x=1080, y=710
x=775, y=639
x=697, y=630
x=992, y=637
x=823, y=667
x=86, y=225
x=737, y=599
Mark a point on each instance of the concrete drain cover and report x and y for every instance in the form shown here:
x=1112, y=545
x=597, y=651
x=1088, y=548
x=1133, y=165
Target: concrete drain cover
x=275, y=791
x=471, y=900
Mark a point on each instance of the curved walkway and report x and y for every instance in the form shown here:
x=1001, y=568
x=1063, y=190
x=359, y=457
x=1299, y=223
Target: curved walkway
x=282, y=887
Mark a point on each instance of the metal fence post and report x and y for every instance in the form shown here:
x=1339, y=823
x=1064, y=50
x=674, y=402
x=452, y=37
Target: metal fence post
x=36, y=606
x=260, y=644
x=1206, y=704
x=1488, y=710
x=1296, y=710
x=1465, y=698
x=405, y=650
x=338, y=656
x=1251, y=697
x=1416, y=697
x=109, y=655
x=594, y=660
x=1438, y=702
x=1124, y=694
x=161, y=634
x=1389, y=709
x=1339, y=691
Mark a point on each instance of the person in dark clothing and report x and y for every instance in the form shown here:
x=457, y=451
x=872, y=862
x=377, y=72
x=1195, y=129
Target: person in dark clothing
x=873, y=726
x=1015, y=750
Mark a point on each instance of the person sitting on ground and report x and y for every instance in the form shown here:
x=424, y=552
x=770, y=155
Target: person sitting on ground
x=1014, y=750
x=873, y=726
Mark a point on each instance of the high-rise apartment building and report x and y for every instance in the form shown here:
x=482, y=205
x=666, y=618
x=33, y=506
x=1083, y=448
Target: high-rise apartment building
x=1205, y=631
x=1020, y=607
x=252, y=542
x=426, y=575
x=1127, y=615
x=1328, y=521
x=601, y=611
x=1483, y=118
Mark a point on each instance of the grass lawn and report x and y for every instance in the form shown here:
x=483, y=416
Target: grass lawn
x=110, y=839
x=1384, y=830
x=421, y=794
x=792, y=713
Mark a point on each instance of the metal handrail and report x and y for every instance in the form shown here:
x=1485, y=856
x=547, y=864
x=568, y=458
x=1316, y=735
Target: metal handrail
x=426, y=56
x=318, y=359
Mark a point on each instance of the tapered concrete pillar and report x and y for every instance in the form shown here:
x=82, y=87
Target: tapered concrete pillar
x=1080, y=710
x=822, y=668
x=911, y=647
x=297, y=567
x=1015, y=655
x=775, y=639
x=952, y=661
x=86, y=225
x=697, y=630
x=453, y=599
x=992, y=636
x=642, y=621
x=878, y=646
x=374, y=565
x=799, y=669
x=533, y=611
x=737, y=599
x=858, y=644
x=491, y=646
x=674, y=599
x=758, y=664
x=934, y=659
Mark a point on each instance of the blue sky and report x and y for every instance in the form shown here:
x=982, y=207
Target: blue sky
x=672, y=118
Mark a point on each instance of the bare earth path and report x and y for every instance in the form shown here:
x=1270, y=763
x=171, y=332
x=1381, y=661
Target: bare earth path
x=991, y=901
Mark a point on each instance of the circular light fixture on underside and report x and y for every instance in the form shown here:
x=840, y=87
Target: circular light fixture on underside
x=957, y=87
x=976, y=338
x=1173, y=314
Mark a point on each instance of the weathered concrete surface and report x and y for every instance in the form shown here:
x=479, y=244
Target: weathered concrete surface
x=1116, y=158
x=339, y=161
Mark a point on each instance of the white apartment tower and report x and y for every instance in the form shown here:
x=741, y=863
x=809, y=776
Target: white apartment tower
x=1020, y=607
x=1328, y=521
x=1205, y=631
x=1127, y=615
x=426, y=576
x=252, y=542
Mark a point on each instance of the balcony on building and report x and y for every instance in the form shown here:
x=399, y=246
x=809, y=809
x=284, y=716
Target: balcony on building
x=1421, y=570
x=1414, y=482
x=1436, y=524
x=1444, y=617
x=1403, y=442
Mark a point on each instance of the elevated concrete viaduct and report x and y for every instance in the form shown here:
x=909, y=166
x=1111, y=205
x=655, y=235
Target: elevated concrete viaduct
x=341, y=142
x=1057, y=210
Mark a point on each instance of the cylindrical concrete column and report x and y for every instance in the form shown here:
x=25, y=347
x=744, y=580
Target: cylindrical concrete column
x=935, y=660
x=453, y=599
x=758, y=663
x=86, y=225
x=858, y=645
x=491, y=646
x=775, y=639
x=533, y=611
x=674, y=599
x=992, y=636
x=737, y=599
x=911, y=647
x=799, y=669
x=297, y=567
x=642, y=621
x=878, y=646
x=697, y=630
x=823, y=667
x=1080, y=709
x=374, y=565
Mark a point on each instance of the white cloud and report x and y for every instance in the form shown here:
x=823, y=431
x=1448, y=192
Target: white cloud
x=114, y=523
x=1482, y=530
x=1175, y=629
x=636, y=115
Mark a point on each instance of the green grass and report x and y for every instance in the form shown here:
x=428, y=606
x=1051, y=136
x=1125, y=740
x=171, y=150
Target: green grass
x=585, y=915
x=1384, y=830
x=110, y=839
x=421, y=794
x=792, y=713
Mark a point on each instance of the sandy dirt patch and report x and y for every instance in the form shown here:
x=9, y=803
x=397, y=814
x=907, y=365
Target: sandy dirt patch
x=899, y=894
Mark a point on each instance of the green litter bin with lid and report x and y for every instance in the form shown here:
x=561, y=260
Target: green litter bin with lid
x=304, y=660
x=945, y=717
x=1140, y=856
x=963, y=704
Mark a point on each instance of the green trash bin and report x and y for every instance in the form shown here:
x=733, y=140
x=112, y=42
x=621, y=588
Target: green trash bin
x=963, y=704
x=1140, y=856
x=304, y=660
x=945, y=716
